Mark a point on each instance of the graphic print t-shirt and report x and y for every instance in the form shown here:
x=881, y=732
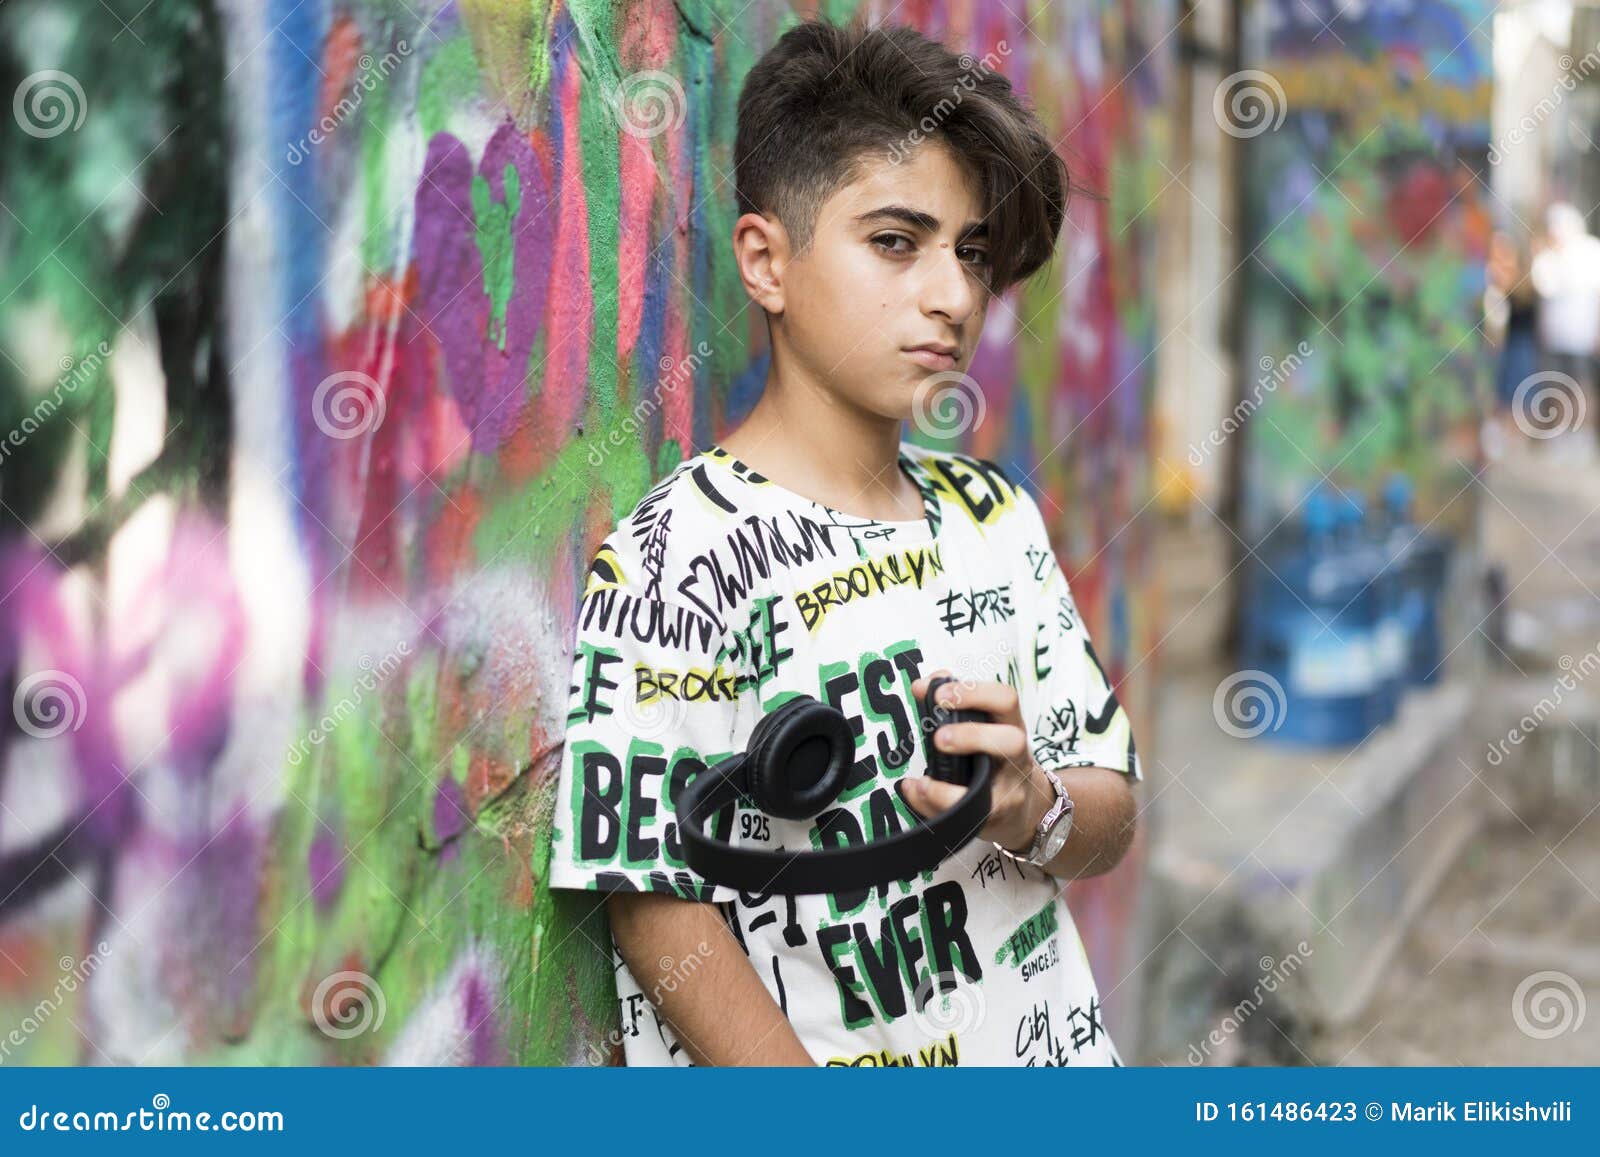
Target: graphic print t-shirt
x=722, y=596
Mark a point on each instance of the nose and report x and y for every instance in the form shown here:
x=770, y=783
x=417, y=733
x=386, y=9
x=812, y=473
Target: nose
x=950, y=288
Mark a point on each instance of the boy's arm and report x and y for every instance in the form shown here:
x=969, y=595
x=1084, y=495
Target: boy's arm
x=1064, y=715
x=1105, y=814
x=631, y=748
x=693, y=970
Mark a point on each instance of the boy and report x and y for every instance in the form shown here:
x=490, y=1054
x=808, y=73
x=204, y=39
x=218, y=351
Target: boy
x=814, y=552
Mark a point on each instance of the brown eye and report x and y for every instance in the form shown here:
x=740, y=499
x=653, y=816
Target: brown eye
x=884, y=240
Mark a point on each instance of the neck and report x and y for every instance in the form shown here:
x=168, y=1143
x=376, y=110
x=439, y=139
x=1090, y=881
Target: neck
x=808, y=439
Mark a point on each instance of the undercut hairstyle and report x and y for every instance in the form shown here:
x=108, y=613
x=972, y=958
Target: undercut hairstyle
x=828, y=99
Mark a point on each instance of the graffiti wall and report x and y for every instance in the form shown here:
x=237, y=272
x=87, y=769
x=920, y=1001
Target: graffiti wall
x=335, y=336
x=1366, y=134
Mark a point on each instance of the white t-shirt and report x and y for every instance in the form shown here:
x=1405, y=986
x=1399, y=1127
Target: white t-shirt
x=1568, y=281
x=721, y=596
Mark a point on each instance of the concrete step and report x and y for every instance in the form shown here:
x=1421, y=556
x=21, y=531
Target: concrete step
x=1283, y=878
x=1297, y=894
x=1500, y=967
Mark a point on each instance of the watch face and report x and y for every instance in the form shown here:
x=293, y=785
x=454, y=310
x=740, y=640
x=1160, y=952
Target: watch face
x=1056, y=838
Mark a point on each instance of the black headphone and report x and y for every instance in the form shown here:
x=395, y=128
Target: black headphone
x=794, y=767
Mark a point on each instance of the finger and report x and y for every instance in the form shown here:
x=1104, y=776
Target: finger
x=928, y=797
x=1001, y=740
x=919, y=687
x=998, y=699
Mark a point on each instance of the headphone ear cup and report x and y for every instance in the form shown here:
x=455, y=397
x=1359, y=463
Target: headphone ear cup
x=799, y=761
x=772, y=724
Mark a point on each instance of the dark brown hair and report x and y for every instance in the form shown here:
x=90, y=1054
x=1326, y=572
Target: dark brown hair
x=826, y=98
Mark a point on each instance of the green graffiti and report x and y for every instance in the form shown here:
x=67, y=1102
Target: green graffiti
x=496, y=244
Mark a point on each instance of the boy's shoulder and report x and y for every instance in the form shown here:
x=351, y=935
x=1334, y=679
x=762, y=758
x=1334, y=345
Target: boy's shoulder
x=671, y=519
x=995, y=497
x=676, y=526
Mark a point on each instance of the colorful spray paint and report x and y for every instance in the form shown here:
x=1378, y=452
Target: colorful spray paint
x=1366, y=140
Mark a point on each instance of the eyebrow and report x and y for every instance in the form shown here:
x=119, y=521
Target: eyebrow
x=927, y=222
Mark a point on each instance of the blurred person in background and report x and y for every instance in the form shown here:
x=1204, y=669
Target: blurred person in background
x=1566, y=276
x=1512, y=307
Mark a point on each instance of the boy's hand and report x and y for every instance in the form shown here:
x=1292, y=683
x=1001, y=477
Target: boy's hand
x=1019, y=792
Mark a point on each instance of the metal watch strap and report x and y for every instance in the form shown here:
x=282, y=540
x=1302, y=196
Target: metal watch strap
x=1051, y=817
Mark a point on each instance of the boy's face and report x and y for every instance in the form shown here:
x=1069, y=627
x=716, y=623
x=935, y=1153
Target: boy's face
x=899, y=259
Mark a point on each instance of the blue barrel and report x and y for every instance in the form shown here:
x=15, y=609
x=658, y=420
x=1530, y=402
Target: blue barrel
x=1364, y=549
x=1422, y=560
x=1311, y=623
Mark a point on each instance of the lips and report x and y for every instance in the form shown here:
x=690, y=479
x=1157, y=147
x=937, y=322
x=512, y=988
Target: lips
x=934, y=357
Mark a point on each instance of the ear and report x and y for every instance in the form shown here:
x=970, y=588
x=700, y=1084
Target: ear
x=761, y=247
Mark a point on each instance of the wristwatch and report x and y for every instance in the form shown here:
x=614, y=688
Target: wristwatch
x=1051, y=835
